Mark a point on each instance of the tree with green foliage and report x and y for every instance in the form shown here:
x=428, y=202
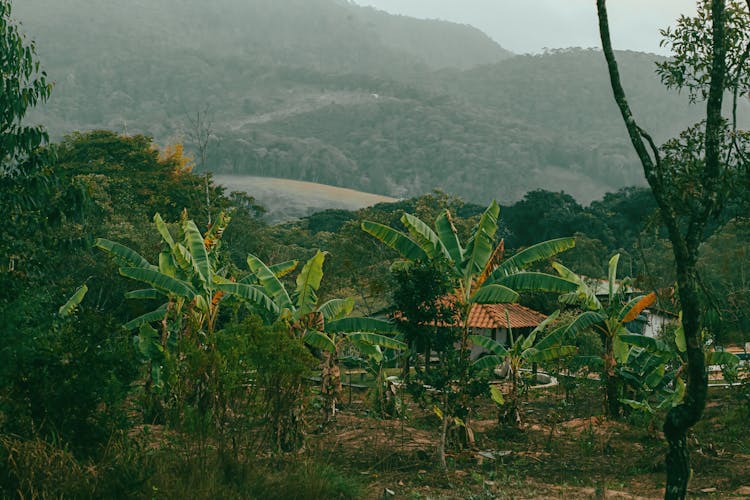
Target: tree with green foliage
x=521, y=352
x=692, y=177
x=326, y=326
x=24, y=85
x=609, y=319
x=478, y=274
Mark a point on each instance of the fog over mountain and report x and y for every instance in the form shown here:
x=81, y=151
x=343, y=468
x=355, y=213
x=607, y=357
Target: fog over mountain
x=531, y=26
x=332, y=92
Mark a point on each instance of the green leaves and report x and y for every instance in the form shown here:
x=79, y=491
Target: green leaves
x=494, y=294
x=122, y=254
x=270, y=281
x=396, y=240
x=361, y=325
x=159, y=281
x=535, y=253
x=308, y=282
x=70, y=305
x=537, y=282
x=481, y=244
x=198, y=251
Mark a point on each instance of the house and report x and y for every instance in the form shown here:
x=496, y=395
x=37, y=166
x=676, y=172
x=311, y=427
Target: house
x=650, y=322
x=492, y=320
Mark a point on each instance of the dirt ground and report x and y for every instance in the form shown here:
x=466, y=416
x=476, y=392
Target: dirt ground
x=565, y=450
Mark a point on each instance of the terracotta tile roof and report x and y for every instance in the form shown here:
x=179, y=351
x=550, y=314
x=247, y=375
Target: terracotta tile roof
x=493, y=316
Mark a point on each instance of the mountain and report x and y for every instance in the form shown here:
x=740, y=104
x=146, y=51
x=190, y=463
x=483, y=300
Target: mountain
x=331, y=92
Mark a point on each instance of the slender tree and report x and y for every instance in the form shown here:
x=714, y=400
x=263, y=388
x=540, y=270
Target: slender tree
x=691, y=178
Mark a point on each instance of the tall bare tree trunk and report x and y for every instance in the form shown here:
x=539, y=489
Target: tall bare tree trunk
x=685, y=234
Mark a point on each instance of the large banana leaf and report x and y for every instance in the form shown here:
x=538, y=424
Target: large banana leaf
x=166, y=264
x=535, y=253
x=537, y=282
x=585, y=321
x=554, y=338
x=145, y=294
x=425, y=237
x=336, y=309
x=612, y=275
x=396, y=240
x=449, y=236
x=375, y=339
x=648, y=343
x=194, y=241
x=122, y=254
x=721, y=358
x=549, y=319
x=308, y=282
x=319, y=340
x=73, y=302
x=269, y=281
x=490, y=344
x=162, y=282
x=283, y=268
x=494, y=294
x=488, y=362
x=550, y=354
x=250, y=293
x=481, y=244
x=161, y=226
x=361, y=325
x=634, y=307
x=149, y=317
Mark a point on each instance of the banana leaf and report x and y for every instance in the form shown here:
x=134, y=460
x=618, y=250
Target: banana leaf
x=269, y=281
x=336, y=309
x=308, y=282
x=396, y=240
x=488, y=362
x=535, y=253
x=425, y=237
x=161, y=226
x=536, y=282
x=251, y=294
x=198, y=251
x=494, y=294
x=481, y=244
x=122, y=254
x=375, y=339
x=162, y=282
x=149, y=317
x=319, y=340
x=145, y=294
x=489, y=344
x=449, y=236
x=635, y=306
x=70, y=305
x=360, y=325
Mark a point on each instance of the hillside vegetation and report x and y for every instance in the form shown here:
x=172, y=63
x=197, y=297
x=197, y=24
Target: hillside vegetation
x=327, y=91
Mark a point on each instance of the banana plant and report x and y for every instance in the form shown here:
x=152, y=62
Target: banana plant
x=327, y=327
x=653, y=369
x=187, y=278
x=479, y=270
x=609, y=320
x=522, y=352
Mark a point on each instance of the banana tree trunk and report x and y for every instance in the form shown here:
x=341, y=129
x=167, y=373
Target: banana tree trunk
x=610, y=379
x=330, y=374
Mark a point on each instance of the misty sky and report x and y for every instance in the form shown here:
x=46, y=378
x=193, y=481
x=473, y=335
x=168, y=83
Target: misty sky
x=530, y=25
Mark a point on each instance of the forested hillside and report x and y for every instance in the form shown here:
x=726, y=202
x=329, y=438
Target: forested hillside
x=327, y=91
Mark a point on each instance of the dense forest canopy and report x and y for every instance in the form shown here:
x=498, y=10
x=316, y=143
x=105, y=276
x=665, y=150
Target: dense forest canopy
x=331, y=92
